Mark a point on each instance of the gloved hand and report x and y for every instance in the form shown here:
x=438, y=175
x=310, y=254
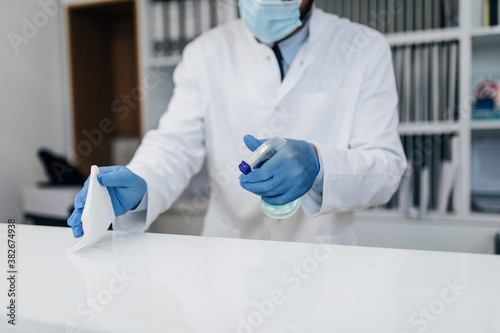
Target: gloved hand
x=125, y=188
x=286, y=176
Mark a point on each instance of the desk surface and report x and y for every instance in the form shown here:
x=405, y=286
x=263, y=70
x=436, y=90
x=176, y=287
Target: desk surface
x=168, y=283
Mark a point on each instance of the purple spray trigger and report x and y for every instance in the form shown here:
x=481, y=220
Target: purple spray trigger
x=245, y=168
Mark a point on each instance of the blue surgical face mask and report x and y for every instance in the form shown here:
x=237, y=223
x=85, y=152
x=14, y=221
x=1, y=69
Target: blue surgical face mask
x=270, y=20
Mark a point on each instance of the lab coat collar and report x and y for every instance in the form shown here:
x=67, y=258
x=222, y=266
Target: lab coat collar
x=305, y=57
x=317, y=25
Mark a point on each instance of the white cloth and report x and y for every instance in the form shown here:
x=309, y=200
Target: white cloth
x=338, y=94
x=97, y=215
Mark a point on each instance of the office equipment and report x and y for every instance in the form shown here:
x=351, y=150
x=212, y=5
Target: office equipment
x=59, y=170
x=49, y=205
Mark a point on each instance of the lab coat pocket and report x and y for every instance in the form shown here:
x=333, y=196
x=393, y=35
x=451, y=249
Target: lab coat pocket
x=321, y=116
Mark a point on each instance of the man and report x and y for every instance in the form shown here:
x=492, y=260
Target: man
x=286, y=69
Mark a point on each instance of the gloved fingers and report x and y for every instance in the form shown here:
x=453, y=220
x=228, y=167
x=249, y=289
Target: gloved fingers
x=258, y=175
x=75, y=217
x=252, y=143
x=108, y=169
x=272, y=168
x=115, y=177
x=75, y=222
x=77, y=230
x=281, y=199
x=268, y=188
x=268, y=170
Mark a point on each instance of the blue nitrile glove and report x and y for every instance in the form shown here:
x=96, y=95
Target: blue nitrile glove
x=125, y=188
x=286, y=176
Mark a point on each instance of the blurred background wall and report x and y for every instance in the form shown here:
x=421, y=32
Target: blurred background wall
x=31, y=100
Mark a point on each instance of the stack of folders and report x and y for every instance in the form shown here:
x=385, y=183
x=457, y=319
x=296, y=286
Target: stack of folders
x=427, y=81
x=174, y=23
x=391, y=16
x=429, y=180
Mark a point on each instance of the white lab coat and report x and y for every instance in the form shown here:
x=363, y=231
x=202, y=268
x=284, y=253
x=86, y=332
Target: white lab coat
x=339, y=94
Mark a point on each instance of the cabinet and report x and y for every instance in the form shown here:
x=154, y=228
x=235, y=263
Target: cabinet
x=129, y=65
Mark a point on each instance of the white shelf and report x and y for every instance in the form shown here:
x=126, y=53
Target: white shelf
x=485, y=37
x=395, y=216
x=420, y=128
x=167, y=61
x=425, y=36
x=486, y=31
x=485, y=124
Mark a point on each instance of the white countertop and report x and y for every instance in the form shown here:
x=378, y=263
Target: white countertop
x=168, y=283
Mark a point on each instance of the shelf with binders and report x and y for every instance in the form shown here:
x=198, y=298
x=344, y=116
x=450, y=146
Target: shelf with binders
x=397, y=17
x=427, y=187
x=427, y=80
x=175, y=23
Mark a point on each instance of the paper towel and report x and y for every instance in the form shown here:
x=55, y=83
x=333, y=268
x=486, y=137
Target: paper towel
x=98, y=213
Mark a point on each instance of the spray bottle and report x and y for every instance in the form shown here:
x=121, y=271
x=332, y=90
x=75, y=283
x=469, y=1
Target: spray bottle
x=256, y=160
